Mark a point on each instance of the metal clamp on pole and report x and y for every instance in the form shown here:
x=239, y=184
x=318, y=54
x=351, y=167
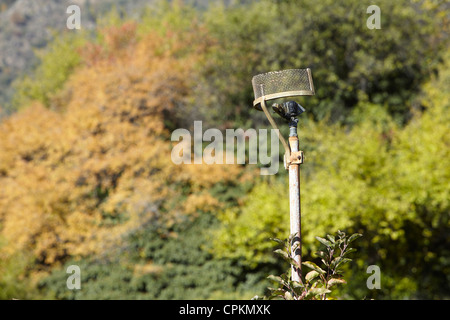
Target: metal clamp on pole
x=295, y=158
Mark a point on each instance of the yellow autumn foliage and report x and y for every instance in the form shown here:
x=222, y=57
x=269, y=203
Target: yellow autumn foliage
x=76, y=179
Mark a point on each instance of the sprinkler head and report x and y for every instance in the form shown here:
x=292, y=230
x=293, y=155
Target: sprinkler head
x=288, y=110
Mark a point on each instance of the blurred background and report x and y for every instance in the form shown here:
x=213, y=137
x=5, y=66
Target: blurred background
x=86, y=117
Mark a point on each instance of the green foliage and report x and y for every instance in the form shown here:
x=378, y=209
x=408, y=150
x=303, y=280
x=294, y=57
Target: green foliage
x=57, y=62
x=244, y=232
x=13, y=271
x=167, y=17
x=318, y=282
x=350, y=63
x=149, y=266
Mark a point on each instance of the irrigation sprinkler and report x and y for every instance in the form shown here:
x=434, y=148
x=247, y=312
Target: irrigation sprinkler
x=283, y=85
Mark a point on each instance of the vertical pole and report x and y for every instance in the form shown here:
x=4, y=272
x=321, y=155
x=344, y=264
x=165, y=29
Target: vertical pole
x=295, y=210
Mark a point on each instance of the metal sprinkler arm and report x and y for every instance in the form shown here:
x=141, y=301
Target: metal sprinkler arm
x=274, y=125
x=290, y=157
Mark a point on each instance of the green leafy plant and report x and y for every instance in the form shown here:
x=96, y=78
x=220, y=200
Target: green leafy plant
x=318, y=282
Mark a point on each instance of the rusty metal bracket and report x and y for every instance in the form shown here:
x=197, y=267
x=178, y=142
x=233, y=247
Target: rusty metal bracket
x=295, y=157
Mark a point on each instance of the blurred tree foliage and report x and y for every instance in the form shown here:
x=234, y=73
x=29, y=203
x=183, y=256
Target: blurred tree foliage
x=85, y=163
x=57, y=62
x=350, y=62
x=153, y=267
x=76, y=181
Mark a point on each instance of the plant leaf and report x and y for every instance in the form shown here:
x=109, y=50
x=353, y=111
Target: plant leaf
x=354, y=236
x=324, y=242
x=288, y=296
x=317, y=291
x=296, y=284
x=276, y=292
x=311, y=275
x=349, y=250
x=282, y=242
x=313, y=266
x=342, y=261
x=335, y=262
x=287, y=257
x=282, y=253
x=285, y=277
x=298, y=289
x=331, y=238
x=295, y=246
x=335, y=281
x=291, y=238
x=277, y=279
